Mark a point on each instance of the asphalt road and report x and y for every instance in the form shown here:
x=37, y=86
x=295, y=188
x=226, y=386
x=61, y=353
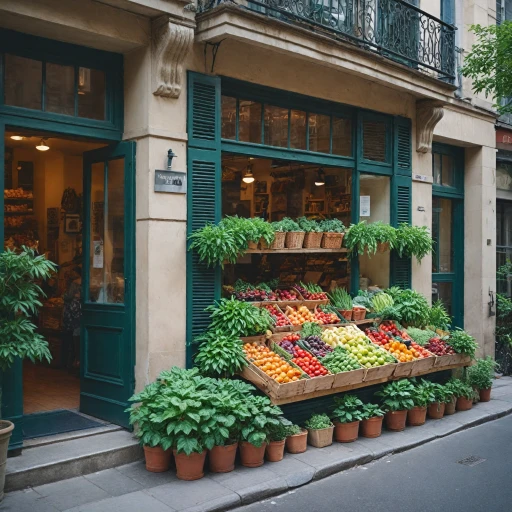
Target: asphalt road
x=426, y=479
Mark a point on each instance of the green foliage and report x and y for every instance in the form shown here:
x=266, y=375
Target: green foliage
x=504, y=322
x=372, y=411
x=421, y=336
x=310, y=329
x=383, y=233
x=390, y=313
x=219, y=354
x=489, y=63
x=309, y=225
x=360, y=238
x=280, y=431
x=412, y=306
x=19, y=302
x=458, y=387
x=341, y=299
x=397, y=395
x=462, y=342
x=286, y=225
x=293, y=430
x=318, y=421
x=481, y=374
x=413, y=241
x=364, y=299
x=231, y=316
x=332, y=226
x=381, y=301
x=423, y=394
x=262, y=229
x=439, y=317
x=348, y=408
x=262, y=418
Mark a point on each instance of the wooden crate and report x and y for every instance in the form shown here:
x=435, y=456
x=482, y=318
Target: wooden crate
x=423, y=365
x=349, y=378
x=319, y=383
x=455, y=359
x=385, y=371
x=403, y=369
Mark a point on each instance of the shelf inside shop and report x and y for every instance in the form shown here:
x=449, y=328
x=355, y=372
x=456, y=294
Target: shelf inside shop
x=18, y=199
x=14, y=214
x=296, y=251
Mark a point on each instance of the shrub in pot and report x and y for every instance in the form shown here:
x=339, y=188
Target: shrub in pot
x=294, y=234
x=276, y=440
x=342, y=301
x=334, y=231
x=440, y=396
x=262, y=232
x=347, y=415
x=463, y=392
x=462, y=343
x=19, y=303
x=313, y=230
x=422, y=397
x=385, y=235
x=481, y=375
x=320, y=430
x=413, y=241
x=360, y=238
x=297, y=439
x=371, y=422
x=396, y=401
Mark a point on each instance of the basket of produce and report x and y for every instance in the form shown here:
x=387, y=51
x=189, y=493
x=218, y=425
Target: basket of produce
x=358, y=313
x=279, y=240
x=312, y=240
x=294, y=239
x=281, y=321
x=326, y=315
x=332, y=240
x=248, y=293
x=344, y=366
x=312, y=293
x=320, y=377
x=342, y=301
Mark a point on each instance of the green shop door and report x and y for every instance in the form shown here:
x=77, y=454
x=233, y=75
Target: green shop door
x=108, y=311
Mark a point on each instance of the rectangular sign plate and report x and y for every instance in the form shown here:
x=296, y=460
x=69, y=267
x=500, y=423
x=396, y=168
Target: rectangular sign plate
x=171, y=181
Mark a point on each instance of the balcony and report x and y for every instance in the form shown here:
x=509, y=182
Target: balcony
x=394, y=29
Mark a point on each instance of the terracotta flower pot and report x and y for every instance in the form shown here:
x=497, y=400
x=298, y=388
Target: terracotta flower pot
x=252, y=456
x=6, y=428
x=346, y=313
x=463, y=404
x=436, y=410
x=252, y=245
x=189, y=467
x=449, y=407
x=485, y=395
x=158, y=460
x=222, y=458
x=297, y=443
x=321, y=437
x=346, y=432
x=395, y=420
x=358, y=313
x=275, y=451
x=416, y=416
x=372, y=427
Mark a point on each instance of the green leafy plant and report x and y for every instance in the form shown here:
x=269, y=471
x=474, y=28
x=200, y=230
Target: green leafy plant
x=309, y=225
x=439, y=317
x=384, y=233
x=318, y=421
x=423, y=394
x=462, y=342
x=421, y=336
x=481, y=374
x=287, y=225
x=458, y=387
x=19, y=303
x=310, y=329
x=371, y=411
x=360, y=238
x=238, y=318
x=262, y=230
x=363, y=299
x=293, y=430
x=332, y=226
x=504, y=322
x=263, y=417
x=381, y=301
x=280, y=431
x=413, y=307
x=348, y=408
x=390, y=313
x=219, y=354
x=341, y=299
x=397, y=395
x=413, y=241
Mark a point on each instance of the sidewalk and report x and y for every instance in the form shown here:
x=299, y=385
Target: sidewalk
x=131, y=488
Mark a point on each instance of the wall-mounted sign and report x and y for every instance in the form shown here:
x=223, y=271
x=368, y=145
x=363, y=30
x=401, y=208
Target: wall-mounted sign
x=171, y=181
x=364, y=206
x=422, y=177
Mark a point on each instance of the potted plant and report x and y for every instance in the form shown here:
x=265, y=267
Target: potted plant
x=413, y=241
x=372, y=417
x=462, y=343
x=440, y=396
x=360, y=238
x=313, y=230
x=347, y=415
x=263, y=233
x=481, y=375
x=334, y=231
x=294, y=234
x=384, y=234
x=342, y=301
x=279, y=235
x=255, y=429
x=464, y=393
x=276, y=440
x=320, y=430
x=396, y=401
x=297, y=439
x=451, y=399
x=422, y=396
x=19, y=302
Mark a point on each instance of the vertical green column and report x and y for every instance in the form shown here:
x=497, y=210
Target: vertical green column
x=12, y=402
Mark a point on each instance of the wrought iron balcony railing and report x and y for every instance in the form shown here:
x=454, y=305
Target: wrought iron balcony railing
x=395, y=29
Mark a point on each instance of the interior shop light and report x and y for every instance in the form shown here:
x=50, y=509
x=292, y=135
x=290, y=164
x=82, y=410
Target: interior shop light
x=320, y=178
x=43, y=146
x=248, y=177
x=17, y=137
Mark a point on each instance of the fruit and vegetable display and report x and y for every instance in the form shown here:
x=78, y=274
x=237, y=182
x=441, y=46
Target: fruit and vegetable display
x=311, y=291
x=289, y=342
x=308, y=363
x=315, y=345
x=421, y=351
x=299, y=315
x=381, y=301
x=247, y=292
x=270, y=363
x=339, y=360
x=439, y=347
x=421, y=336
x=396, y=348
x=17, y=208
x=325, y=317
x=17, y=193
x=391, y=328
x=279, y=317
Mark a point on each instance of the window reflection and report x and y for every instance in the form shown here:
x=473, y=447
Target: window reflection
x=276, y=126
x=23, y=82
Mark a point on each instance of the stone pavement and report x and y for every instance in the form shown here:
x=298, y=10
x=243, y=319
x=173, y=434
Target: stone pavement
x=131, y=488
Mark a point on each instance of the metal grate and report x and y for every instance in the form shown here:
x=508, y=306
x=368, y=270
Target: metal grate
x=471, y=461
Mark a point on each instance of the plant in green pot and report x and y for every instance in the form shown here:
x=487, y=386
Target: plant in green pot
x=320, y=430
x=296, y=439
x=313, y=230
x=347, y=415
x=371, y=423
x=276, y=440
x=481, y=375
x=19, y=303
x=334, y=231
x=396, y=401
x=422, y=396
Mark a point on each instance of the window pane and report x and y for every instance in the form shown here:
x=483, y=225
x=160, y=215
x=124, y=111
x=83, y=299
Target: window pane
x=443, y=291
x=276, y=126
x=374, y=141
x=341, y=136
x=249, y=122
x=442, y=232
x=298, y=130
x=437, y=169
x=60, y=89
x=91, y=93
x=319, y=133
x=23, y=81
x=97, y=256
x=228, y=130
x=447, y=173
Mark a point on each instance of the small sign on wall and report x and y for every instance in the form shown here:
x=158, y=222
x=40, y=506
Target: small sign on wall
x=364, y=206
x=171, y=182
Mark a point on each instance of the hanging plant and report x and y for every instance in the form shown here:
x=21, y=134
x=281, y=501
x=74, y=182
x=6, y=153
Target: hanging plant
x=413, y=241
x=360, y=238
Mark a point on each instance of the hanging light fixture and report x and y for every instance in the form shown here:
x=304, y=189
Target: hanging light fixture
x=42, y=146
x=320, y=178
x=248, y=176
x=17, y=137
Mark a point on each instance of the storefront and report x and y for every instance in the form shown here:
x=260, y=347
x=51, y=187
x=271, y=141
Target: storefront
x=68, y=192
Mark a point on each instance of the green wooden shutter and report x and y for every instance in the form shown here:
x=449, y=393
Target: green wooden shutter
x=402, y=146
x=203, y=199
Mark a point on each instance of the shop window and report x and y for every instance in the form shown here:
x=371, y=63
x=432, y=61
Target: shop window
x=60, y=89
x=298, y=129
x=442, y=233
x=249, y=124
x=374, y=141
x=276, y=126
x=319, y=133
x=23, y=80
x=443, y=292
x=341, y=136
x=228, y=129
x=91, y=93
x=375, y=203
x=503, y=241
x=443, y=170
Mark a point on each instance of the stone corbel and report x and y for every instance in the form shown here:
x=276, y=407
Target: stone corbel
x=171, y=41
x=428, y=114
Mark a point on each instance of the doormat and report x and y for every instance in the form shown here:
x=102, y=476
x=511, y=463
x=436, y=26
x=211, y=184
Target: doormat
x=55, y=422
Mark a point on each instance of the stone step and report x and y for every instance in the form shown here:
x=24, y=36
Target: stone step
x=59, y=460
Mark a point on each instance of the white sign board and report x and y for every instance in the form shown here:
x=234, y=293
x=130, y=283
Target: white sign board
x=364, y=206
